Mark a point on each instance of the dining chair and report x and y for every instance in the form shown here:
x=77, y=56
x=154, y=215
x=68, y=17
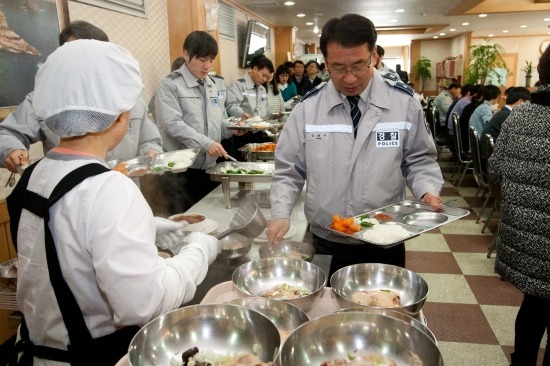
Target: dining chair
x=464, y=157
x=442, y=140
x=479, y=175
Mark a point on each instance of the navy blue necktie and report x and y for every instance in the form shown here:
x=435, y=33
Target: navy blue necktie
x=355, y=112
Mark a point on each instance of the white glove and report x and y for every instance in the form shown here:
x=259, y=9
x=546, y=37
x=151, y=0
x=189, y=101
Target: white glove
x=210, y=245
x=170, y=234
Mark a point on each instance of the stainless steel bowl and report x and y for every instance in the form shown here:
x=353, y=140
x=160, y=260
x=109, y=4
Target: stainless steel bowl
x=288, y=249
x=394, y=314
x=336, y=336
x=218, y=328
x=234, y=246
x=253, y=278
x=412, y=288
x=284, y=315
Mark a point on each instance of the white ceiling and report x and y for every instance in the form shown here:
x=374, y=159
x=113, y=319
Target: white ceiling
x=427, y=18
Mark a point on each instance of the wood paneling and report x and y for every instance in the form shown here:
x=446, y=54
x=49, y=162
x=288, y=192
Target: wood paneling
x=7, y=251
x=284, y=44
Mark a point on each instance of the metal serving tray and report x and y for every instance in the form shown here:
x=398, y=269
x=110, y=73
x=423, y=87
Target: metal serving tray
x=415, y=217
x=248, y=152
x=158, y=164
x=218, y=173
x=239, y=125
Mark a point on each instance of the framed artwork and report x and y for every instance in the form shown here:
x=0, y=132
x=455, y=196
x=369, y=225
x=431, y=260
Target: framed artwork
x=29, y=32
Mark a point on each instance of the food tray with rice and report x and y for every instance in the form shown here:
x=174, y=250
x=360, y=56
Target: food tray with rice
x=253, y=124
x=242, y=172
x=392, y=224
x=174, y=161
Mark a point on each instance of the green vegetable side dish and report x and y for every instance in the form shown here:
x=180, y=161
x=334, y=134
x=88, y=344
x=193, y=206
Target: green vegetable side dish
x=157, y=169
x=171, y=164
x=365, y=224
x=244, y=171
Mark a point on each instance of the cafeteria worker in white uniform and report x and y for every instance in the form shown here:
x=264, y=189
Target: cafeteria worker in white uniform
x=88, y=271
x=352, y=165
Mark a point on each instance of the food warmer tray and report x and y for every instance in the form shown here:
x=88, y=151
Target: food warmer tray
x=217, y=174
x=238, y=125
x=158, y=164
x=248, y=152
x=415, y=217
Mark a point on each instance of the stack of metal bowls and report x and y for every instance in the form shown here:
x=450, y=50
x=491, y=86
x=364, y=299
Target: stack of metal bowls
x=235, y=246
x=288, y=249
x=255, y=277
x=412, y=289
x=284, y=315
x=214, y=328
x=353, y=334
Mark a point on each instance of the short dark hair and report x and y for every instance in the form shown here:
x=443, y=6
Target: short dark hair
x=351, y=30
x=544, y=67
x=467, y=88
x=80, y=29
x=490, y=92
x=380, y=50
x=200, y=44
x=262, y=62
x=298, y=62
x=312, y=62
x=289, y=64
x=454, y=85
x=281, y=70
x=519, y=93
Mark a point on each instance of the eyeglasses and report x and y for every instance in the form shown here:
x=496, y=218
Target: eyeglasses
x=357, y=70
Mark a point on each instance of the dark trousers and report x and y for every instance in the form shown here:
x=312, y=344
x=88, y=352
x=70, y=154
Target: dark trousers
x=532, y=320
x=344, y=255
x=183, y=190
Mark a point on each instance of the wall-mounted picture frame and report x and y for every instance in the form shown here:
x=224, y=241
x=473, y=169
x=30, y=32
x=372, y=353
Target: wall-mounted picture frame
x=29, y=33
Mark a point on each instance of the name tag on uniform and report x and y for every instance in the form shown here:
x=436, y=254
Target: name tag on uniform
x=387, y=138
x=263, y=98
x=130, y=129
x=215, y=102
x=312, y=136
x=221, y=94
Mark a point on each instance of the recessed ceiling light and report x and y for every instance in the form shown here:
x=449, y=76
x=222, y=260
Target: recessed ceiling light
x=315, y=29
x=309, y=23
x=490, y=35
x=505, y=31
x=465, y=23
x=436, y=37
x=400, y=10
x=482, y=15
x=523, y=26
x=452, y=30
x=441, y=34
x=300, y=15
x=289, y=3
x=393, y=20
x=546, y=19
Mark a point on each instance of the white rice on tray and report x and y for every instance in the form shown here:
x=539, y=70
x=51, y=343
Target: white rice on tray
x=385, y=234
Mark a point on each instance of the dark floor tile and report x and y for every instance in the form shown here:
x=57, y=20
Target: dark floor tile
x=434, y=231
x=468, y=243
x=492, y=290
x=508, y=349
x=449, y=191
x=478, y=202
x=432, y=262
x=464, y=323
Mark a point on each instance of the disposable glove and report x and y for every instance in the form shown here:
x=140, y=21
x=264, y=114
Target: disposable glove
x=170, y=234
x=209, y=244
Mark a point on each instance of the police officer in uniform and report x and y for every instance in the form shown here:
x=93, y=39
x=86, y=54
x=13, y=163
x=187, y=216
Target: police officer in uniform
x=356, y=139
x=190, y=107
x=251, y=97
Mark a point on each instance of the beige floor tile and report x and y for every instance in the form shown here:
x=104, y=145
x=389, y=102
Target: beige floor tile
x=464, y=227
x=448, y=288
x=428, y=243
x=476, y=264
x=502, y=320
x=466, y=354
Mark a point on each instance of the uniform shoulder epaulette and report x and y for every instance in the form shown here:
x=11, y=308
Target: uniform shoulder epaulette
x=174, y=74
x=397, y=83
x=216, y=76
x=242, y=80
x=314, y=90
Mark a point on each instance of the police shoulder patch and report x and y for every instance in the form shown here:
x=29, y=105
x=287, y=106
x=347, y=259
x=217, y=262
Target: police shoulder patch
x=174, y=74
x=216, y=76
x=242, y=80
x=314, y=90
x=394, y=81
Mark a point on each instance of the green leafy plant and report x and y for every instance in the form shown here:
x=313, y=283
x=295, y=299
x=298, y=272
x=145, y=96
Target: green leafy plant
x=528, y=68
x=484, y=58
x=422, y=70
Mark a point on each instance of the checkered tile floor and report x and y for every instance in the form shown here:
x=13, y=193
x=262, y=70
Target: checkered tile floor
x=470, y=310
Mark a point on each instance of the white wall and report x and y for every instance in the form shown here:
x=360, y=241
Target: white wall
x=435, y=50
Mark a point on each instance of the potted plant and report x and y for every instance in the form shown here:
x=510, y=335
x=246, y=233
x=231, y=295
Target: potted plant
x=484, y=59
x=528, y=70
x=422, y=71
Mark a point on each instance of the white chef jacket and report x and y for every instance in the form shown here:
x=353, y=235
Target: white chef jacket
x=348, y=176
x=104, y=233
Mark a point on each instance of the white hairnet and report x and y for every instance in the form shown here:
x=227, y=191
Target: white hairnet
x=84, y=86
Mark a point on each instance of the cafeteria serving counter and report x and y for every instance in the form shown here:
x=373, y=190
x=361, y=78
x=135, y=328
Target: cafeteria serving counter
x=214, y=208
